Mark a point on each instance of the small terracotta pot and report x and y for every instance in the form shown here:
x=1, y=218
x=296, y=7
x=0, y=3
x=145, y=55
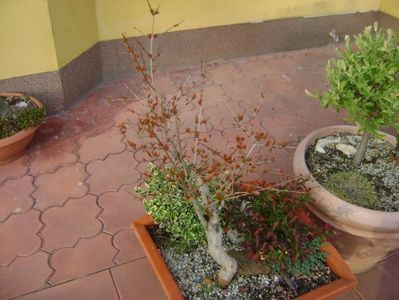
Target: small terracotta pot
x=14, y=146
x=345, y=282
x=365, y=235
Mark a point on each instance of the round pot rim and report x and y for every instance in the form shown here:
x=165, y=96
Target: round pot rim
x=23, y=133
x=363, y=218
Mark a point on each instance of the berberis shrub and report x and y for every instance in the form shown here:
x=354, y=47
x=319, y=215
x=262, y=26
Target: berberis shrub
x=277, y=229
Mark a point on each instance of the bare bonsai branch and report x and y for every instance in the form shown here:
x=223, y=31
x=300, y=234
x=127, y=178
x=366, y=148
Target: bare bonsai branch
x=173, y=26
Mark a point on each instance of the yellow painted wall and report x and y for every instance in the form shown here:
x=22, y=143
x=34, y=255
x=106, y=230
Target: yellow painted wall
x=26, y=39
x=43, y=35
x=390, y=7
x=74, y=27
x=115, y=16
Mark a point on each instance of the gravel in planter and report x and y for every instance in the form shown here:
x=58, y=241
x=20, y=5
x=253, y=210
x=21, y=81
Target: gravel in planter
x=378, y=165
x=195, y=274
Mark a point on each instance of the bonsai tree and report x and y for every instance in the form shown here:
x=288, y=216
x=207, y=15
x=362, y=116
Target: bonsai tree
x=192, y=161
x=364, y=81
x=183, y=154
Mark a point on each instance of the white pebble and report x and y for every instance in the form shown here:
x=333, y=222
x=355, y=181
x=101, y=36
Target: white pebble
x=21, y=104
x=322, y=143
x=348, y=150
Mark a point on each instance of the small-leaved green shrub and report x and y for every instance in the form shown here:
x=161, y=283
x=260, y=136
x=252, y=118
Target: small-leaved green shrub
x=313, y=260
x=164, y=200
x=14, y=118
x=364, y=81
x=353, y=187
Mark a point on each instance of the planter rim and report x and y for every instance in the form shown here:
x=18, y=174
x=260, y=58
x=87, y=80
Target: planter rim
x=362, y=218
x=345, y=282
x=159, y=266
x=23, y=133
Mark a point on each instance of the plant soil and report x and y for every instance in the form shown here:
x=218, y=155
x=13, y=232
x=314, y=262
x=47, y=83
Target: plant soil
x=195, y=274
x=379, y=164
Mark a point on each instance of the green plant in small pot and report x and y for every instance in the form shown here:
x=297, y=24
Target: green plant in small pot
x=192, y=177
x=360, y=169
x=20, y=116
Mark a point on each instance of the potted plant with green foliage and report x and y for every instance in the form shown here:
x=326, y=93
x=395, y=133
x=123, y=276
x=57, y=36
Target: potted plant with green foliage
x=353, y=172
x=20, y=117
x=206, y=217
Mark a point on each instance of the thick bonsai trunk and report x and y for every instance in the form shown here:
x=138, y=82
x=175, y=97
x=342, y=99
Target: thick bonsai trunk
x=214, y=236
x=228, y=265
x=361, y=149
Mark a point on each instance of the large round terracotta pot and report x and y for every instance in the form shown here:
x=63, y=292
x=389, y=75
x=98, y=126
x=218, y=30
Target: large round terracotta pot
x=365, y=236
x=14, y=146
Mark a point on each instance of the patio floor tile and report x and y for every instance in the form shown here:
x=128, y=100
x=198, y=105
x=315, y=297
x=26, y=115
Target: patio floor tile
x=15, y=196
x=245, y=89
x=279, y=84
x=224, y=114
x=224, y=73
x=128, y=245
x=97, y=286
x=99, y=146
x=281, y=63
x=254, y=69
x=119, y=208
x=313, y=59
x=51, y=157
x=53, y=189
x=109, y=174
x=14, y=169
x=381, y=283
x=27, y=274
x=18, y=236
x=352, y=295
x=88, y=256
x=136, y=280
x=213, y=95
x=165, y=83
x=64, y=226
x=92, y=118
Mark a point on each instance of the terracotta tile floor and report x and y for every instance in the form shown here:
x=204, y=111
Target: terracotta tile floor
x=66, y=206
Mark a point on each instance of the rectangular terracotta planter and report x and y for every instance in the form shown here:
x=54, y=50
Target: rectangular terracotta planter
x=345, y=282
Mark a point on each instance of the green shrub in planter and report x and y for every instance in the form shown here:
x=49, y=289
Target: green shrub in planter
x=364, y=81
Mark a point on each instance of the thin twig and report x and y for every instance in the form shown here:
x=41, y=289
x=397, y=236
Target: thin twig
x=198, y=132
x=138, y=30
x=173, y=26
x=152, y=50
x=132, y=92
